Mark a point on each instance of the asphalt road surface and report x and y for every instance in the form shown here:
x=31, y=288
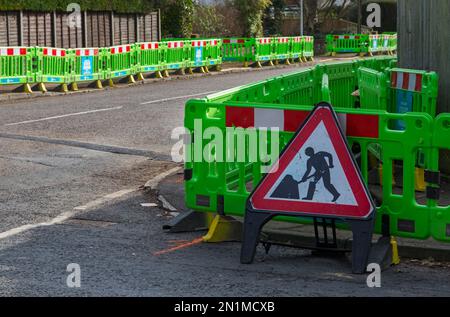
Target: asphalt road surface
x=71, y=171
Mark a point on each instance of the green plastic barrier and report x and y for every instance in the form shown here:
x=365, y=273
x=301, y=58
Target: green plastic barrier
x=347, y=43
x=238, y=50
x=440, y=214
x=148, y=58
x=372, y=89
x=87, y=65
x=412, y=91
x=53, y=66
x=16, y=66
x=281, y=48
x=120, y=61
x=296, y=52
x=175, y=54
x=264, y=49
x=375, y=44
x=284, y=102
x=308, y=47
x=205, y=53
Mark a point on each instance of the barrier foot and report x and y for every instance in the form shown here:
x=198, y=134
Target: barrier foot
x=99, y=85
x=254, y=221
x=190, y=71
x=224, y=229
x=140, y=77
x=311, y=59
x=27, y=89
x=158, y=74
x=271, y=63
x=419, y=174
x=395, y=256
x=218, y=68
x=166, y=74
x=202, y=70
x=131, y=79
x=64, y=88
x=181, y=71
x=304, y=59
x=288, y=62
x=333, y=54
x=258, y=64
x=361, y=245
x=246, y=64
x=74, y=87
x=42, y=87
x=189, y=222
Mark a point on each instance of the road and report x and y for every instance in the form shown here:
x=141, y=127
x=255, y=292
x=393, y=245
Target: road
x=71, y=170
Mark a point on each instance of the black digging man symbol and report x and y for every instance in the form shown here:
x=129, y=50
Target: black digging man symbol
x=288, y=188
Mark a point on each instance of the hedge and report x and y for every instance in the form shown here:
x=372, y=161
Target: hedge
x=121, y=6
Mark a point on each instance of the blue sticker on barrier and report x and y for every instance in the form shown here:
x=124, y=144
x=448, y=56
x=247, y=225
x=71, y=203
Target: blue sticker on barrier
x=87, y=63
x=375, y=43
x=404, y=105
x=120, y=74
x=86, y=77
x=198, y=55
x=149, y=68
x=53, y=79
x=10, y=80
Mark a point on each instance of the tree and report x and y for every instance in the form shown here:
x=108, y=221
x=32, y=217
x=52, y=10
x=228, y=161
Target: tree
x=320, y=10
x=177, y=18
x=251, y=14
x=274, y=17
x=208, y=20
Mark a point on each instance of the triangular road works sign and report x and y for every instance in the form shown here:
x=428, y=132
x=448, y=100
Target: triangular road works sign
x=316, y=174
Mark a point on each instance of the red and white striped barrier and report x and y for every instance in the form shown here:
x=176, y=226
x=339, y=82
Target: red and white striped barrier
x=150, y=46
x=283, y=40
x=178, y=44
x=406, y=81
x=266, y=40
x=13, y=51
x=309, y=38
x=297, y=39
x=54, y=52
x=120, y=49
x=86, y=52
x=354, y=125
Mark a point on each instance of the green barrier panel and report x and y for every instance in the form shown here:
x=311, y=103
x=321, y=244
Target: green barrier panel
x=440, y=212
x=278, y=102
x=296, y=52
x=374, y=45
x=17, y=66
x=238, y=50
x=264, y=49
x=342, y=82
x=87, y=65
x=175, y=54
x=372, y=89
x=120, y=61
x=53, y=66
x=281, y=48
x=347, y=43
x=308, y=47
x=412, y=91
x=148, y=58
x=205, y=53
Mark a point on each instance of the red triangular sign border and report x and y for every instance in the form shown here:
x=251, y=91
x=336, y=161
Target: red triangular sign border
x=364, y=207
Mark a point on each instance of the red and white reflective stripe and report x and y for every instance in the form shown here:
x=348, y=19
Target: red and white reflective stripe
x=308, y=38
x=176, y=44
x=199, y=43
x=265, y=40
x=214, y=42
x=376, y=37
x=13, y=51
x=354, y=125
x=233, y=41
x=87, y=52
x=406, y=81
x=283, y=40
x=150, y=46
x=120, y=49
x=297, y=39
x=54, y=52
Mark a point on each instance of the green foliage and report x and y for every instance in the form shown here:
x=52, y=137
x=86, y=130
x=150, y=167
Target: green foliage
x=251, y=15
x=177, y=18
x=208, y=21
x=128, y=6
x=273, y=20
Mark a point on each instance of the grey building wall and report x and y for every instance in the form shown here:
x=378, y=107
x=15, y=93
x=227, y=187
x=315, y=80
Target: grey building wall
x=424, y=41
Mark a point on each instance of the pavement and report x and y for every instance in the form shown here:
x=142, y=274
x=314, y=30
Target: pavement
x=73, y=169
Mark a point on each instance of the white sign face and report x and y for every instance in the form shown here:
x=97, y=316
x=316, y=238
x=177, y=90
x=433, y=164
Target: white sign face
x=315, y=174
